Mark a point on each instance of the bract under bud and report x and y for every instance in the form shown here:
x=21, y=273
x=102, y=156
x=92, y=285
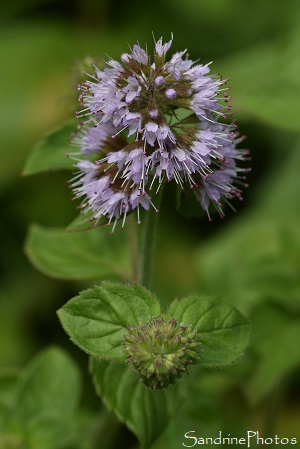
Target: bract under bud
x=160, y=351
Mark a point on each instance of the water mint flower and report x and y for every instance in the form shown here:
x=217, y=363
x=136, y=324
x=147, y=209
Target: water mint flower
x=132, y=90
x=160, y=351
x=161, y=49
x=151, y=121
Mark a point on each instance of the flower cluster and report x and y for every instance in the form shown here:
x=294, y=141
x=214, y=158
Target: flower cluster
x=151, y=121
x=160, y=351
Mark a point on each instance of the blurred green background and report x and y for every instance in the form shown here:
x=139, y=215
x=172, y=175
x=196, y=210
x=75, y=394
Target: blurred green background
x=251, y=259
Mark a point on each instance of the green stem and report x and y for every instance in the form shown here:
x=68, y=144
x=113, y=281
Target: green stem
x=148, y=242
x=133, y=247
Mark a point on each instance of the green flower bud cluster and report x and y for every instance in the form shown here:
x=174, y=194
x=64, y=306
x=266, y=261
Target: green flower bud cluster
x=160, y=351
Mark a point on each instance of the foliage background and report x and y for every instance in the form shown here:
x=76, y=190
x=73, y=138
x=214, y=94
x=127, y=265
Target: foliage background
x=251, y=259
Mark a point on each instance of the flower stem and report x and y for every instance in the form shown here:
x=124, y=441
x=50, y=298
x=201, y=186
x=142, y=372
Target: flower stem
x=148, y=243
x=133, y=247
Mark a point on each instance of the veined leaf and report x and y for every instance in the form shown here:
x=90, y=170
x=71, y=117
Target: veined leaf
x=223, y=329
x=146, y=413
x=79, y=255
x=97, y=319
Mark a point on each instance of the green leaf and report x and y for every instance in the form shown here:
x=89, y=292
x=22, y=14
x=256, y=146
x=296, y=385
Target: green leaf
x=224, y=330
x=145, y=412
x=50, y=153
x=200, y=407
x=98, y=318
x=80, y=255
x=51, y=385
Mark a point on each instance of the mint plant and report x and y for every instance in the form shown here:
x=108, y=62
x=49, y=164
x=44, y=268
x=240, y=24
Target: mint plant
x=147, y=122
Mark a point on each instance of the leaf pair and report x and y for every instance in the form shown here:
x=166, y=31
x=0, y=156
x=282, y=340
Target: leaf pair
x=97, y=320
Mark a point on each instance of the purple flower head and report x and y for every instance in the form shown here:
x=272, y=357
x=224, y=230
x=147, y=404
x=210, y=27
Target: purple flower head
x=151, y=120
